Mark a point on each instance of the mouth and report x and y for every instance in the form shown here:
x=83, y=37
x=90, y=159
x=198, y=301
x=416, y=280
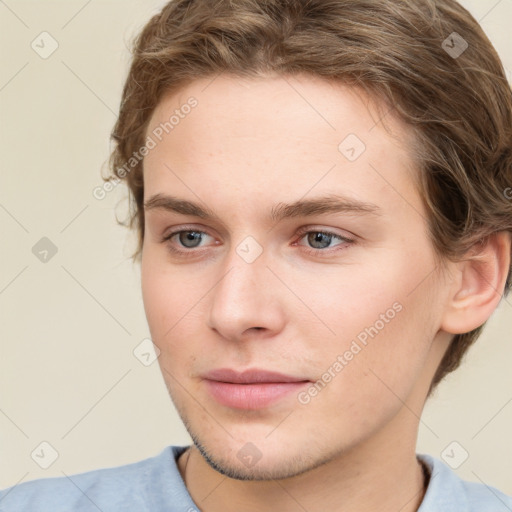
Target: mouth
x=251, y=389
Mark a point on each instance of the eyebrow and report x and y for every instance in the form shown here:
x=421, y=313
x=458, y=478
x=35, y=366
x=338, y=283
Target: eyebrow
x=302, y=208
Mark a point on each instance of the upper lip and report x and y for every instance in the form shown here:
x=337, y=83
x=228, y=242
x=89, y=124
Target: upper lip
x=254, y=375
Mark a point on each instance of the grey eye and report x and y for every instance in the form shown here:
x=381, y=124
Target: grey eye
x=319, y=240
x=190, y=239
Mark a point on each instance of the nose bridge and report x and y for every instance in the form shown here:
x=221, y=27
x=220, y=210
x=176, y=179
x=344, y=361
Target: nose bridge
x=244, y=297
x=247, y=261
x=243, y=283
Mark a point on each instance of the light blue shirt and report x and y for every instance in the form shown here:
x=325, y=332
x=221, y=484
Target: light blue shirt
x=155, y=485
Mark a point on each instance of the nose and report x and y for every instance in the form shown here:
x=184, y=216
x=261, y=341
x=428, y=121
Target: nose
x=246, y=300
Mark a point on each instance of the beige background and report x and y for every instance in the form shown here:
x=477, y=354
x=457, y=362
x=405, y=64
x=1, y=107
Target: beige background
x=68, y=375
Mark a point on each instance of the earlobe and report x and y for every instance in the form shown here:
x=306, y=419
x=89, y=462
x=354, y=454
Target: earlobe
x=479, y=286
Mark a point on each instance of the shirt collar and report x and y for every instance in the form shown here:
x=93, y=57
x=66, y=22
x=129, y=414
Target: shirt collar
x=445, y=489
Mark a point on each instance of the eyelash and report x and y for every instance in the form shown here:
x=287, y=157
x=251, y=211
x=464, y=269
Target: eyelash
x=301, y=233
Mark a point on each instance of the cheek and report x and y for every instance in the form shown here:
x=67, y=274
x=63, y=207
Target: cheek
x=154, y=297
x=382, y=323
x=365, y=376
x=174, y=310
x=162, y=303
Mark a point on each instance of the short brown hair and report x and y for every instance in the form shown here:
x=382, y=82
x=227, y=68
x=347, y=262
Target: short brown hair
x=458, y=106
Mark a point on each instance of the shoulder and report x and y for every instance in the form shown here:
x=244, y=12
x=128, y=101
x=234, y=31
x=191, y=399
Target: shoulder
x=447, y=491
x=140, y=486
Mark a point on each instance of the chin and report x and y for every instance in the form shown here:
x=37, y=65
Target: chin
x=261, y=460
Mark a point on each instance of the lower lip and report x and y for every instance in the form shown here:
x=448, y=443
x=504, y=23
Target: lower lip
x=252, y=396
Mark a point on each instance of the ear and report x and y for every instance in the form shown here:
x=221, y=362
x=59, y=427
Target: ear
x=479, y=284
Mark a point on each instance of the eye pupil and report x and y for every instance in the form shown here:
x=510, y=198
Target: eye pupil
x=190, y=238
x=317, y=240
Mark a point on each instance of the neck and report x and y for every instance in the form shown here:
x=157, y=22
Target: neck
x=365, y=479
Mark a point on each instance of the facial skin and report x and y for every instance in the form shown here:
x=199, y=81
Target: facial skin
x=248, y=146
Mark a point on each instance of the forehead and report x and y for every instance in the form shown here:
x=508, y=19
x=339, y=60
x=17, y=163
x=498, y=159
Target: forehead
x=275, y=133
x=308, y=103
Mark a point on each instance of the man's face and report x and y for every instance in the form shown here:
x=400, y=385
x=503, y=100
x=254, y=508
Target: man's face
x=349, y=299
